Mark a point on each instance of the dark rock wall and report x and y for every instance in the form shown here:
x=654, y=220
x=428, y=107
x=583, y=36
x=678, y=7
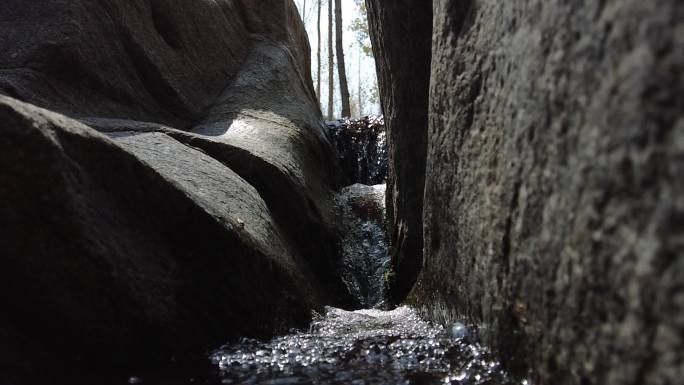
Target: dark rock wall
x=206, y=211
x=364, y=245
x=401, y=32
x=119, y=247
x=143, y=59
x=553, y=203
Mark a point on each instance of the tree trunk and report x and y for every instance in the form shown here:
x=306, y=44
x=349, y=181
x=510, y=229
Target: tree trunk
x=331, y=74
x=304, y=12
x=344, y=87
x=359, y=90
x=318, y=29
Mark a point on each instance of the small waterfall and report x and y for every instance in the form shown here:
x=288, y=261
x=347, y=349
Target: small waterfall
x=370, y=346
x=361, y=148
x=364, y=244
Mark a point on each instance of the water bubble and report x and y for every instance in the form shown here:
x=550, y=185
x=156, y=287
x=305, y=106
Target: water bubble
x=459, y=331
x=461, y=376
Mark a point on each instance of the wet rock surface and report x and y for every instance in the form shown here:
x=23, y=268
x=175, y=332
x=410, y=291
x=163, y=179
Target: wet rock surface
x=361, y=347
x=364, y=260
x=361, y=147
x=553, y=201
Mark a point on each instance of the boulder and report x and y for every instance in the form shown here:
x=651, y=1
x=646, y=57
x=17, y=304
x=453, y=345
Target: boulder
x=267, y=128
x=142, y=59
x=553, y=198
x=147, y=60
x=136, y=247
x=401, y=33
x=279, y=145
x=190, y=203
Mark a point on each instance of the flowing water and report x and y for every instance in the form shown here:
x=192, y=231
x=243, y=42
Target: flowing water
x=360, y=347
x=364, y=260
x=361, y=148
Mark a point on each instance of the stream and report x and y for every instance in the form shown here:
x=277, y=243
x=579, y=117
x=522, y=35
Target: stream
x=371, y=346
x=362, y=347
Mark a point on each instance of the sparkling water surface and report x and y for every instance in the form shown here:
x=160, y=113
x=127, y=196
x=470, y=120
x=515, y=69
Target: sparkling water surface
x=362, y=347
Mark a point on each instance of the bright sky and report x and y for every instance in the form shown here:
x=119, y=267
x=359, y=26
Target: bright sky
x=359, y=66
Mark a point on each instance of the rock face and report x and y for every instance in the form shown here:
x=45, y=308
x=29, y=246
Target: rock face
x=554, y=203
x=138, y=59
x=401, y=35
x=110, y=237
x=202, y=210
x=364, y=246
x=278, y=144
x=149, y=60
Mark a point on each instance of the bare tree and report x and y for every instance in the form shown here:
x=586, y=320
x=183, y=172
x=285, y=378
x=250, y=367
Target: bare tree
x=305, y=10
x=344, y=87
x=318, y=29
x=331, y=74
x=360, y=92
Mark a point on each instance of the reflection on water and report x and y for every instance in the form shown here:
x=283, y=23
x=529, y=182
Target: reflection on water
x=361, y=347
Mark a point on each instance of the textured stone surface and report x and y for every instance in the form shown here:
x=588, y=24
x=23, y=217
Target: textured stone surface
x=401, y=33
x=150, y=60
x=266, y=127
x=135, y=59
x=284, y=132
x=140, y=239
x=206, y=215
x=364, y=244
x=554, y=199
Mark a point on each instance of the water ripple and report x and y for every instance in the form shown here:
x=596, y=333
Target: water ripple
x=361, y=347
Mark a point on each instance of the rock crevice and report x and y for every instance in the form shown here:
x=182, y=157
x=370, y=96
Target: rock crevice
x=404, y=74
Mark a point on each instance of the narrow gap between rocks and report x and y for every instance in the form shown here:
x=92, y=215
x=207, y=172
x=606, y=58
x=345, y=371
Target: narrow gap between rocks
x=374, y=345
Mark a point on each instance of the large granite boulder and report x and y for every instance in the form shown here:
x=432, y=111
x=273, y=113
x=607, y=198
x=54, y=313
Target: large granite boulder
x=141, y=59
x=401, y=33
x=282, y=151
x=135, y=247
x=553, y=198
x=190, y=203
x=266, y=127
x=150, y=60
